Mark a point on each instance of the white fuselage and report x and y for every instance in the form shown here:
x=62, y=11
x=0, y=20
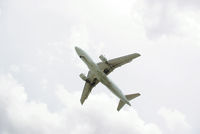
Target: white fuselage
x=93, y=67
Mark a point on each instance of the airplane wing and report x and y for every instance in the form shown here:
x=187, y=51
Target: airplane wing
x=88, y=86
x=108, y=66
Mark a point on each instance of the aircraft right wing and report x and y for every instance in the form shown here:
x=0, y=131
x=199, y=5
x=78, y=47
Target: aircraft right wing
x=91, y=83
x=108, y=66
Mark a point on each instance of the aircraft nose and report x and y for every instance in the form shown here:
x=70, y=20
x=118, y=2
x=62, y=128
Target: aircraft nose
x=77, y=49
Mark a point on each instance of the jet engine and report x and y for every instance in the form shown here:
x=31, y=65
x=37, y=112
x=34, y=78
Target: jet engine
x=102, y=58
x=83, y=77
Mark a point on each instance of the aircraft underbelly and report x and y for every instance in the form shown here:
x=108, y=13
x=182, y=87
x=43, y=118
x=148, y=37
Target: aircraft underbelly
x=105, y=80
x=113, y=88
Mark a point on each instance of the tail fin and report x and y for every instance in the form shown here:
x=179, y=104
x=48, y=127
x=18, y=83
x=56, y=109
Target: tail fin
x=129, y=97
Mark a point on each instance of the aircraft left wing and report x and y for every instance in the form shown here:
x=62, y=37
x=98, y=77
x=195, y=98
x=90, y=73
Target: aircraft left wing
x=92, y=82
x=108, y=66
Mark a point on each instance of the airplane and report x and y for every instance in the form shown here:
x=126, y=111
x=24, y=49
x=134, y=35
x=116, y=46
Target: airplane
x=98, y=73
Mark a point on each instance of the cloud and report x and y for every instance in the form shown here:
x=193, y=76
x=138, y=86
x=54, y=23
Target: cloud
x=38, y=42
x=0, y=11
x=175, y=120
x=165, y=18
x=15, y=68
x=179, y=3
x=79, y=37
x=155, y=18
x=96, y=113
x=21, y=115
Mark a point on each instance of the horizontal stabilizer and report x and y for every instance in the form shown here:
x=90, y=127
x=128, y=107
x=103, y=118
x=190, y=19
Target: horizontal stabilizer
x=132, y=96
x=129, y=97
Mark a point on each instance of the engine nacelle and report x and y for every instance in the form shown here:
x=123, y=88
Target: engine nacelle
x=83, y=77
x=102, y=58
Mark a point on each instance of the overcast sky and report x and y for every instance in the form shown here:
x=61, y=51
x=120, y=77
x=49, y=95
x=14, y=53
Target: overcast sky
x=40, y=86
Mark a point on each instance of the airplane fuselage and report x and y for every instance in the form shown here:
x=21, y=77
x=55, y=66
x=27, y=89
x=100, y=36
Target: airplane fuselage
x=100, y=75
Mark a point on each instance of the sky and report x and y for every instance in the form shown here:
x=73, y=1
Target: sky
x=40, y=87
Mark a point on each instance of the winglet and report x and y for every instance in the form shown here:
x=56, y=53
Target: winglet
x=129, y=97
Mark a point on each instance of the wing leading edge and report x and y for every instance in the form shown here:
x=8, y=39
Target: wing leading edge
x=91, y=83
x=110, y=65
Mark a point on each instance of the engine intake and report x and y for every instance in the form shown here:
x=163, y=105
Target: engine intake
x=83, y=77
x=102, y=58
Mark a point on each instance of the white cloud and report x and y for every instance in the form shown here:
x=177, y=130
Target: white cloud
x=28, y=116
x=0, y=12
x=174, y=119
x=15, y=68
x=23, y=115
x=166, y=18
x=79, y=37
x=96, y=114
x=53, y=53
x=164, y=32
